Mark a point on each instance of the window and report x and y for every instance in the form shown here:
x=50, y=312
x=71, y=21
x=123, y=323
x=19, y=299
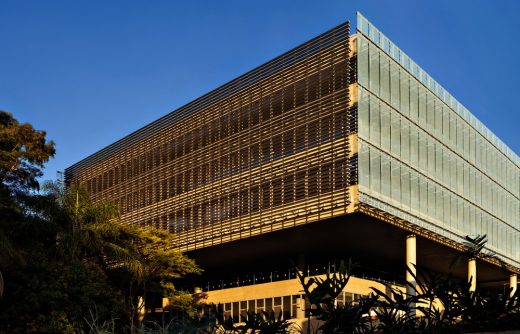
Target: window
x=385, y=128
x=405, y=94
x=414, y=101
x=395, y=134
x=396, y=180
x=364, y=167
x=363, y=115
x=394, y=85
x=430, y=113
x=375, y=126
x=363, y=61
x=422, y=107
x=385, y=79
x=385, y=175
x=405, y=187
x=405, y=141
x=374, y=69
x=375, y=171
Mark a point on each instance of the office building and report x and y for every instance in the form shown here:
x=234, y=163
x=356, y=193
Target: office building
x=342, y=147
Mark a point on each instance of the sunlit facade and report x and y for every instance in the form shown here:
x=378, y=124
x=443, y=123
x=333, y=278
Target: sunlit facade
x=340, y=146
x=269, y=150
x=426, y=159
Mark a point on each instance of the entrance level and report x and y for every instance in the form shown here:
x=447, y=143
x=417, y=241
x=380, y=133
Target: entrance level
x=283, y=296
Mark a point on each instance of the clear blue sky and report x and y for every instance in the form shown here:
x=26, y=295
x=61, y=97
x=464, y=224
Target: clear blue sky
x=91, y=72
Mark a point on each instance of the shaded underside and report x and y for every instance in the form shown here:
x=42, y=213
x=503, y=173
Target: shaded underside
x=378, y=248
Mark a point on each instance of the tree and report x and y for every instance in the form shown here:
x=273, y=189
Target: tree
x=473, y=250
x=138, y=262
x=23, y=152
x=63, y=256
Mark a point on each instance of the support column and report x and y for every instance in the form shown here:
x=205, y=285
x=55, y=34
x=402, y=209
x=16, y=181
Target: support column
x=472, y=274
x=411, y=262
x=513, y=284
x=165, y=302
x=300, y=308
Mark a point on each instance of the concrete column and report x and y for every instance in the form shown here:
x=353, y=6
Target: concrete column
x=472, y=274
x=411, y=262
x=300, y=308
x=513, y=284
x=165, y=302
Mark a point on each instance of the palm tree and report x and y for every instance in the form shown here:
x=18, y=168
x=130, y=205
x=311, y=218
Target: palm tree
x=136, y=259
x=93, y=232
x=472, y=251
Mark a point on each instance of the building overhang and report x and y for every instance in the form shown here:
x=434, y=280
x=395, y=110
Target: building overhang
x=377, y=245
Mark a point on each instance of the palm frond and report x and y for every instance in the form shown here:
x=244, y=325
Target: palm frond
x=125, y=258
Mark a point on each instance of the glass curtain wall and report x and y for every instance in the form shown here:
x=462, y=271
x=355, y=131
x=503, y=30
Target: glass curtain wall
x=423, y=160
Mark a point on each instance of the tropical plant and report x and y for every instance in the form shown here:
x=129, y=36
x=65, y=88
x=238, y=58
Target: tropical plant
x=62, y=254
x=351, y=317
x=267, y=323
x=138, y=262
x=474, y=250
x=322, y=293
x=443, y=304
x=198, y=324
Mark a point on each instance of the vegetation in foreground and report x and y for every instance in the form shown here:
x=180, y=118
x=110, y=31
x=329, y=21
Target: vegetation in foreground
x=68, y=265
x=440, y=304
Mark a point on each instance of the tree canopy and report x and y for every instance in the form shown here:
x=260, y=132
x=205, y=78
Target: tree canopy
x=64, y=257
x=23, y=153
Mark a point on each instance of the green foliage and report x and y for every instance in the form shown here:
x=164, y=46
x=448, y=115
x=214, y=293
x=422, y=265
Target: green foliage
x=137, y=261
x=438, y=304
x=47, y=291
x=267, y=323
x=23, y=152
x=77, y=257
x=322, y=292
x=473, y=248
x=64, y=257
x=351, y=317
x=444, y=305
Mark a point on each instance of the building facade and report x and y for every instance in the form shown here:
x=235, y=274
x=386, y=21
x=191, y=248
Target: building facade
x=345, y=127
x=267, y=151
x=425, y=158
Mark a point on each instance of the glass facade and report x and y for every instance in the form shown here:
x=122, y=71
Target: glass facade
x=424, y=158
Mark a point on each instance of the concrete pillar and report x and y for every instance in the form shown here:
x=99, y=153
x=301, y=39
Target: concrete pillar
x=411, y=262
x=513, y=284
x=165, y=302
x=300, y=308
x=472, y=274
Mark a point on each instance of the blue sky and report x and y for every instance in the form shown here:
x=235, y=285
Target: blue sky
x=91, y=72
